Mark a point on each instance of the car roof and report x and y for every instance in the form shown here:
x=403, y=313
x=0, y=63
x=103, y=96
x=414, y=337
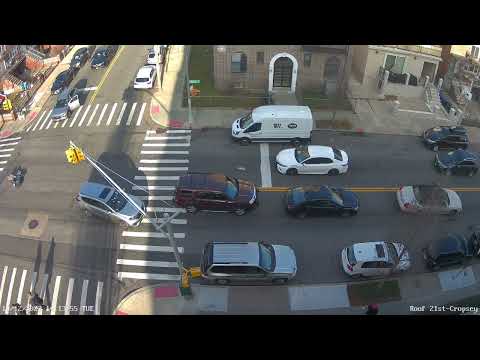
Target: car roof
x=451, y=243
x=203, y=181
x=96, y=190
x=144, y=71
x=314, y=192
x=320, y=151
x=370, y=251
x=289, y=111
x=246, y=253
x=64, y=94
x=462, y=154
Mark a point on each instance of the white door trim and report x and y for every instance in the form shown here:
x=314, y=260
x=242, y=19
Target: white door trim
x=294, y=71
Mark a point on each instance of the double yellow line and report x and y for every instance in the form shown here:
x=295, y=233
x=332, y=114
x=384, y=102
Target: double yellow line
x=104, y=77
x=369, y=189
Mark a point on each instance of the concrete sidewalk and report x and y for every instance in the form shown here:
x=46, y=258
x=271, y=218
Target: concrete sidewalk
x=39, y=99
x=420, y=295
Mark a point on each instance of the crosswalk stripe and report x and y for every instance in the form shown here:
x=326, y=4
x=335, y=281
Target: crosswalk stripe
x=33, y=282
x=101, y=114
x=2, y=285
x=168, y=137
x=119, y=119
x=155, y=248
x=93, y=115
x=49, y=124
x=153, y=187
x=22, y=284
x=171, y=131
x=163, y=152
x=37, y=122
x=149, y=234
x=145, y=276
x=6, y=155
x=170, y=168
x=130, y=116
x=68, y=300
x=164, y=198
x=173, y=178
x=3, y=162
x=1, y=169
x=110, y=117
x=140, y=117
x=57, y=123
x=161, y=221
x=74, y=118
x=10, y=289
x=162, y=209
x=56, y=289
x=83, y=297
x=165, y=144
x=11, y=139
x=45, y=120
x=7, y=150
x=43, y=290
x=165, y=161
x=9, y=144
x=84, y=115
x=98, y=297
x=163, y=264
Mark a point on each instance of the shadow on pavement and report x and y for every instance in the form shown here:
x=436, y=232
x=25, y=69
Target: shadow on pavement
x=49, y=264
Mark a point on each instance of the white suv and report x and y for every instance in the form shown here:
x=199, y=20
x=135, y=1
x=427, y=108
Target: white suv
x=145, y=77
x=378, y=258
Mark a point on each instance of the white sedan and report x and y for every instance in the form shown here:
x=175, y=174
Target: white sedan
x=152, y=56
x=145, y=77
x=312, y=159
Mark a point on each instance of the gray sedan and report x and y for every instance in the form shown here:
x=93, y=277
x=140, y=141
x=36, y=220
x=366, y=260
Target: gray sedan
x=429, y=199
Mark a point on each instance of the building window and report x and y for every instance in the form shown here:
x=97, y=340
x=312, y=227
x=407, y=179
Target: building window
x=394, y=63
x=475, y=50
x=239, y=63
x=260, y=57
x=307, y=59
x=331, y=68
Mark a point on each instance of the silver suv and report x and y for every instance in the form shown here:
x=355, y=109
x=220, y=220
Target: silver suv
x=67, y=102
x=248, y=261
x=108, y=203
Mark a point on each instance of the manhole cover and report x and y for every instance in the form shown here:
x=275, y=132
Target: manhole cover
x=33, y=224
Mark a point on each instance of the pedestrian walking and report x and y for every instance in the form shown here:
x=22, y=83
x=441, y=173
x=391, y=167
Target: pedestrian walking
x=19, y=310
x=372, y=309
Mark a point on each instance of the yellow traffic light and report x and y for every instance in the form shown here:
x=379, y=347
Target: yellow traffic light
x=71, y=156
x=80, y=155
x=7, y=105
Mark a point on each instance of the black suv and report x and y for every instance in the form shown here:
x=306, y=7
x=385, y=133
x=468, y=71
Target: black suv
x=103, y=56
x=62, y=81
x=457, y=162
x=81, y=56
x=453, y=249
x=446, y=137
x=320, y=200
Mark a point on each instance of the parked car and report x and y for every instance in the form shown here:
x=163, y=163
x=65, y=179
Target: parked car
x=152, y=57
x=301, y=201
x=108, y=203
x=224, y=262
x=67, y=102
x=446, y=137
x=81, y=56
x=62, y=81
x=428, y=199
x=457, y=162
x=380, y=258
x=312, y=159
x=215, y=193
x=145, y=77
x=103, y=56
x=452, y=249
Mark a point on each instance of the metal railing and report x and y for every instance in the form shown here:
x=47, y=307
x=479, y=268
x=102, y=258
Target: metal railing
x=434, y=50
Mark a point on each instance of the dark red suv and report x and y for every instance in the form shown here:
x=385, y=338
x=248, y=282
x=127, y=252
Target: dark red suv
x=215, y=192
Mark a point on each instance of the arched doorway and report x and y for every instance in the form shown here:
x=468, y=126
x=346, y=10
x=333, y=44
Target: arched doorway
x=282, y=73
x=330, y=75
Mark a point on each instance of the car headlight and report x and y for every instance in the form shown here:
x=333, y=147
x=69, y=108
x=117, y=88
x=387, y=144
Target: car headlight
x=235, y=132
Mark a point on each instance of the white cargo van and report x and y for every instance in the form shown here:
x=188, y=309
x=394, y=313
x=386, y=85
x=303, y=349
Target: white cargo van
x=274, y=123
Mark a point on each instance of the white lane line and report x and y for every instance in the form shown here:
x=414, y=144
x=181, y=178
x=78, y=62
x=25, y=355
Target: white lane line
x=88, y=88
x=163, y=198
x=153, y=187
x=101, y=114
x=162, y=264
x=1, y=169
x=161, y=221
x=98, y=297
x=37, y=122
x=148, y=234
x=49, y=124
x=56, y=289
x=3, y=162
x=10, y=139
x=145, y=276
x=173, y=178
x=84, y=116
x=9, y=144
x=22, y=284
x=93, y=115
x=83, y=297
x=265, y=165
x=166, y=144
x=170, y=168
x=75, y=117
x=68, y=301
x=119, y=119
x=163, y=152
x=10, y=289
x=140, y=117
x=2, y=285
x=7, y=150
x=164, y=209
x=171, y=131
x=149, y=248
x=57, y=123
x=43, y=290
x=110, y=117
x=44, y=121
x=148, y=138
x=6, y=155
x=164, y=161
x=130, y=116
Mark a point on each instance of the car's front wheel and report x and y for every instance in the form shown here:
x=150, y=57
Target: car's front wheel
x=279, y=281
x=333, y=172
x=453, y=212
x=349, y=213
x=292, y=172
x=222, y=281
x=448, y=172
x=244, y=141
x=240, y=212
x=357, y=276
x=191, y=209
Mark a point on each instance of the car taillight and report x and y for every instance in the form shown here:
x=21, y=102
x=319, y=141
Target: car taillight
x=407, y=205
x=350, y=267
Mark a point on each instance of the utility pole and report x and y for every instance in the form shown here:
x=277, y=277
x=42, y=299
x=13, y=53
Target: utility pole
x=190, y=116
x=156, y=49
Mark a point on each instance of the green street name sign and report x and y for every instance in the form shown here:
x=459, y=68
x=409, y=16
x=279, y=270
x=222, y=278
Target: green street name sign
x=194, y=81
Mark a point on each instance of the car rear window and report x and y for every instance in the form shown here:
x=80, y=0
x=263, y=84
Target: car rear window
x=298, y=195
x=351, y=256
x=117, y=202
x=140, y=80
x=104, y=193
x=337, y=154
x=431, y=195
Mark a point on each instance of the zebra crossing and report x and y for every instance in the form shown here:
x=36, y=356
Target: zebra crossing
x=93, y=115
x=7, y=147
x=79, y=297
x=146, y=254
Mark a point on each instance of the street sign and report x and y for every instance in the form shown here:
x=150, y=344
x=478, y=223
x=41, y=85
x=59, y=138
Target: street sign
x=194, y=81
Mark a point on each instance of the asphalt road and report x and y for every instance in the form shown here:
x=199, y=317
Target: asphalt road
x=376, y=160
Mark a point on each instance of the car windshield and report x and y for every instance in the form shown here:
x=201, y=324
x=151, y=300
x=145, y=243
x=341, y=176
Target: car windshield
x=301, y=154
x=231, y=189
x=61, y=77
x=266, y=257
x=351, y=256
x=335, y=196
x=139, y=80
x=101, y=54
x=392, y=253
x=337, y=154
x=246, y=121
x=431, y=195
x=61, y=103
x=117, y=202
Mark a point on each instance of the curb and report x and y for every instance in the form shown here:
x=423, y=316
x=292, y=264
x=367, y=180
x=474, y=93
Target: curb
x=128, y=295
